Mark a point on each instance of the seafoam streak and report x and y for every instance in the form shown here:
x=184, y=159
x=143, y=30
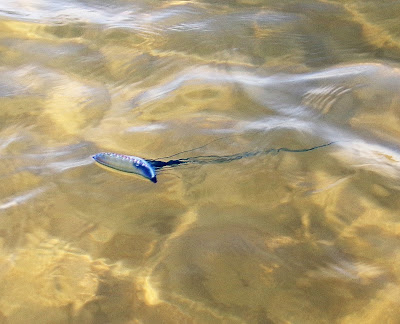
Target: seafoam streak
x=16, y=200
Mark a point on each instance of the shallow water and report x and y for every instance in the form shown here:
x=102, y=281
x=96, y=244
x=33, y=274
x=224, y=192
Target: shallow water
x=290, y=237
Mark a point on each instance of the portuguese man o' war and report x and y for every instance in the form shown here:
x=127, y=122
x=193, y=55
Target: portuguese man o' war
x=149, y=168
x=127, y=163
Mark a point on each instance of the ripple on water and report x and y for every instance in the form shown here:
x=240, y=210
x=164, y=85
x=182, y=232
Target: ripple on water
x=244, y=272
x=287, y=237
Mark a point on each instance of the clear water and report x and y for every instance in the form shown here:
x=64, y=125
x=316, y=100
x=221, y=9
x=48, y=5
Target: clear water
x=307, y=237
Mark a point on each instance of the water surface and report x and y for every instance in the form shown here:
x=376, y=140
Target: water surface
x=309, y=237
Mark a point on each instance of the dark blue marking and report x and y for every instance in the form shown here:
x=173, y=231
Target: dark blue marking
x=146, y=171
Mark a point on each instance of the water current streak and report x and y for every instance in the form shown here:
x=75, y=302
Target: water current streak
x=158, y=165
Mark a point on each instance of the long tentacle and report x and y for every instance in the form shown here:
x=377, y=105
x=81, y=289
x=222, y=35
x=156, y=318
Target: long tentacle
x=207, y=159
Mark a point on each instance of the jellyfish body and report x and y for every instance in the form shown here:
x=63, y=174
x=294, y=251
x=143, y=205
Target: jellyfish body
x=127, y=163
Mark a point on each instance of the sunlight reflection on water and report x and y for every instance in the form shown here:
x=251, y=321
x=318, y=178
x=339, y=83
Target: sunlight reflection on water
x=299, y=237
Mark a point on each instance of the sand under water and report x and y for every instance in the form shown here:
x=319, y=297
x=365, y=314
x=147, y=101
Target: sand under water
x=289, y=237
